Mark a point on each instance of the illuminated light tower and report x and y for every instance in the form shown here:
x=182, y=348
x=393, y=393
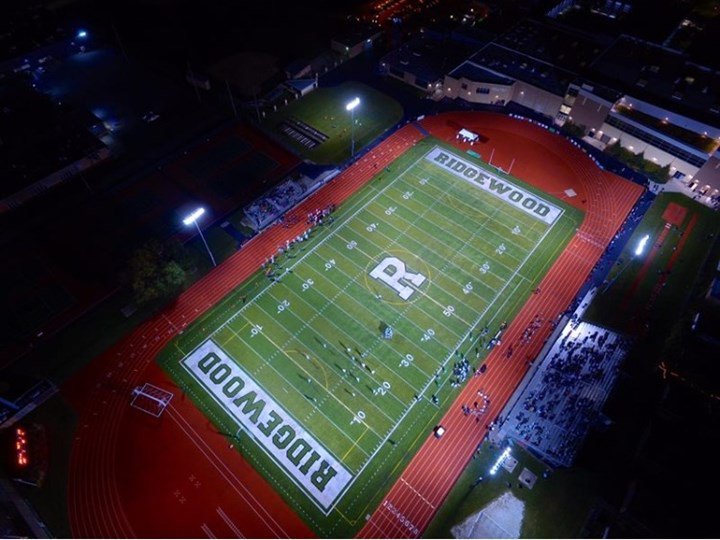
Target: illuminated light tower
x=641, y=245
x=500, y=460
x=193, y=219
x=639, y=249
x=351, y=106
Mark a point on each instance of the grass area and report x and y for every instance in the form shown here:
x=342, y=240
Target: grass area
x=324, y=110
x=556, y=507
x=622, y=298
x=309, y=346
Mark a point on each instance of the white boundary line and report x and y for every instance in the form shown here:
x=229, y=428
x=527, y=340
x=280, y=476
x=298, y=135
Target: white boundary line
x=450, y=354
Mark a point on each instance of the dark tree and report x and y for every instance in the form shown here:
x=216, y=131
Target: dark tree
x=155, y=271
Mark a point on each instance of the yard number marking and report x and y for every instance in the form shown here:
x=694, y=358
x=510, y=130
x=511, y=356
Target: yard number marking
x=484, y=268
x=255, y=330
x=358, y=418
x=427, y=336
x=330, y=264
x=307, y=284
x=448, y=311
x=405, y=362
x=282, y=306
x=371, y=227
x=467, y=289
x=382, y=390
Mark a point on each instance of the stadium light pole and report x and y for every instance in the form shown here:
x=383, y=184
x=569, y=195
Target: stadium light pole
x=351, y=106
x=191, y=219
x=637, y=252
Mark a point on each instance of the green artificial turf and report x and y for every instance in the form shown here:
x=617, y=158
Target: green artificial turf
x=304, y=339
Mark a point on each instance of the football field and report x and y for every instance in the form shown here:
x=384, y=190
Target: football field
x=330, y=372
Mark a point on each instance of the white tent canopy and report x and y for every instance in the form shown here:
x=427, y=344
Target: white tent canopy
x=468, y=135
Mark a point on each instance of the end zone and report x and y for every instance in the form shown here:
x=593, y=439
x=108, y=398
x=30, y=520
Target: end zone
x=310, y=466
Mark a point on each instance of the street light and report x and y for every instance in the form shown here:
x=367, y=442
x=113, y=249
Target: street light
x=82, y=34
x=351, y=106
x=193, y=219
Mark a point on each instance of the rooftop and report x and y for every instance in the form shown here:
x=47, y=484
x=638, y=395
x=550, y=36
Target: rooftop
x=649, y=19
x=661, y=76
x=355, y=34
x=696, y=140
x=522, y=67
x=427, y=58
x=471, y=71
x=554, y=44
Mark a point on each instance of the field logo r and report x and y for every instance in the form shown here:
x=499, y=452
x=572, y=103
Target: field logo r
x=391, y=271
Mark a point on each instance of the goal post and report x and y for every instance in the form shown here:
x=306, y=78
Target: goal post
x=150, y=399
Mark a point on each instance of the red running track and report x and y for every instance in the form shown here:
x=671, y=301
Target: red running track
x=553, y=165
x=134, y=476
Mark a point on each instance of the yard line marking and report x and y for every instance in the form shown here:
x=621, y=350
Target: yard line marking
x=354, y=444
x=410, y=304
x=229, y=522
x=313, y=360
x=488, y=221
x=378, y=340
x=235, y=333
x=340, y=224
x=340, y=253
x=362, y=204
x=478, y=251
x=341, y=353
x=457, y=268
x=435, y=281
x=450, y=194
x=294, y=388
x=460, y=341
x=344, y=353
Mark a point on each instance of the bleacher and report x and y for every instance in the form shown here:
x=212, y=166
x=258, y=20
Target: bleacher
x=567, y=392
x=303, y=133
x=270, y=207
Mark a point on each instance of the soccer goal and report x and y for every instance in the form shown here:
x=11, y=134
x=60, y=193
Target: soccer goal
x=150, y=399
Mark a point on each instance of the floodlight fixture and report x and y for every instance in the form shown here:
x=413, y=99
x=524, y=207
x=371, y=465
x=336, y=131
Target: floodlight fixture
x=351, y=106
x=192, y=219
x=500, y=460
x=641, y=245
x=82, y=34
